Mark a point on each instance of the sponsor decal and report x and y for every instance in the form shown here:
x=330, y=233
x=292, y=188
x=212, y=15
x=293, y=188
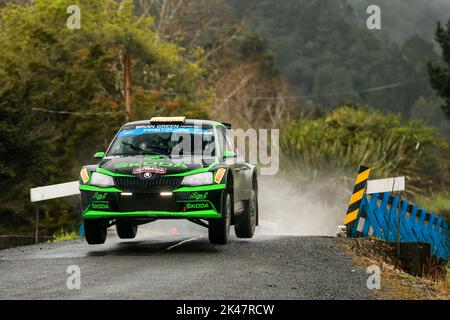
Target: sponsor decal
x=149, y=169
x=197, y=205
x=198, y=196
x=162, y=129
x=84, y=175
x=151, y=163
x=101, y=206
x=99, y=196
x=219, y=175
x=154, y=157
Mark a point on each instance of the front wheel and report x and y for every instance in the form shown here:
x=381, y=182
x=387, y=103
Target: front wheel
x=219, y=229
x=246, y=222
x=94, y=231
x=126, y=229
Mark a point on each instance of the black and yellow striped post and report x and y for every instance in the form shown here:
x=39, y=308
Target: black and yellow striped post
x=356, y=198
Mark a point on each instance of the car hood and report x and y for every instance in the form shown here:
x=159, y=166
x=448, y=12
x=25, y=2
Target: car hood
x=136, y=165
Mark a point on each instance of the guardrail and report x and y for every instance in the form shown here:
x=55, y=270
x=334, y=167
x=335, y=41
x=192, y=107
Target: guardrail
x=51, y=192
x=388, y=217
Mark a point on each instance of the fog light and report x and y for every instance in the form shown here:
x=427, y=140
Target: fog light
x=166, y=194
x=126, y=194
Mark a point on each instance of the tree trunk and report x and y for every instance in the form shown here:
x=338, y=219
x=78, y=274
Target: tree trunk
x=127, y=84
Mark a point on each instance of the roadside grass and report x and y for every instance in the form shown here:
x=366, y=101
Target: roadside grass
x=448, y=270
x=62, y=235
x=438, y=203
x=396, y=284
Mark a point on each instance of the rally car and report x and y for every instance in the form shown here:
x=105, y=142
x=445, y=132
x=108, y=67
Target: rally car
x=170, y=168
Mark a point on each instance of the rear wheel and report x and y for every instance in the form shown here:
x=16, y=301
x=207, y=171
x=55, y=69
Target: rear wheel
x=219, y=229
x=94, y=231
x=126, y=229
x=246, y=222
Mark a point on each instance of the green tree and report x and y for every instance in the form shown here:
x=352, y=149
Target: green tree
x=421, y=17
x=45, y=65
x=324, y=49
x=336, y=144
x=440, y=74
x=238, y=62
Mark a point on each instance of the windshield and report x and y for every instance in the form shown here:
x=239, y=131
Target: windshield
x=164, y=140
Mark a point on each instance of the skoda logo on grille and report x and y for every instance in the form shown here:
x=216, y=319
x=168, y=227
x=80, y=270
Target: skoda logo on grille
x=147, y=175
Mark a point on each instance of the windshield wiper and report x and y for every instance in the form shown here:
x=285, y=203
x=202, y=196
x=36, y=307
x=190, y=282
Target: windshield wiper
x=132, y=146
x=166, y=149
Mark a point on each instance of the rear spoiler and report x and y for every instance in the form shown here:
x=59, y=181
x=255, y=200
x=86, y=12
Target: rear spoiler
x=227, y=125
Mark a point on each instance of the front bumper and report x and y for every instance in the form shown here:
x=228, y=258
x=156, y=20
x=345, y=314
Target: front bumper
x=184, y=203
x=203, y=214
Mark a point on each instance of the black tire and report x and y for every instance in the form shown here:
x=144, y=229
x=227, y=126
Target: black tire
x=126, y=229
x=94, y=231
x=219, y=229
x=246, y=222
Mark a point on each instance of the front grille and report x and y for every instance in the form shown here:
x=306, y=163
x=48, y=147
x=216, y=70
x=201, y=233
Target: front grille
x=145, y=201
x=142, y=185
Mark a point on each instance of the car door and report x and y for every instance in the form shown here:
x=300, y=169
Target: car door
x=244, y=173
x=241, y=172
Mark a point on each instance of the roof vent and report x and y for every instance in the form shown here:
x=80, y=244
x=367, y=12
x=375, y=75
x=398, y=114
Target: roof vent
x=168, y=120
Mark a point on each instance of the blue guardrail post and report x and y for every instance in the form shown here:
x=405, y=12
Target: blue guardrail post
x=379, y=216
x=81, y=230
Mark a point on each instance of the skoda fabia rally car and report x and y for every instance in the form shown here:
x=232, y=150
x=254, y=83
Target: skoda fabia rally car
x=170, y=168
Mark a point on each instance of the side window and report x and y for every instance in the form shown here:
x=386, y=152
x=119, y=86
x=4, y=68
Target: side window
x=220, y=141
x=225, y=140
x=229, y=144
x=209, y=145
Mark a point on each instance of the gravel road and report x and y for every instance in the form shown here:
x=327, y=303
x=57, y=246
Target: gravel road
x=185, y=267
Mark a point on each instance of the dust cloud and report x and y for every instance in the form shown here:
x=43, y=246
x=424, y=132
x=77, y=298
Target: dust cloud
x=290, y=207
x=287, y=206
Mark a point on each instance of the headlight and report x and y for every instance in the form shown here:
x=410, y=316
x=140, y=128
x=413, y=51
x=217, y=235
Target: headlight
x=199, y=179
x=101, y=180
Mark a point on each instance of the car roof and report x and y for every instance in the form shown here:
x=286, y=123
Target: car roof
x=187, y=121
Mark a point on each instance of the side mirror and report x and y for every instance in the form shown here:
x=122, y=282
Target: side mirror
x=229, y=154
x=99, y=155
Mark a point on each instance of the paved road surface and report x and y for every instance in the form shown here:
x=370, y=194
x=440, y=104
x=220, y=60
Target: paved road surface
x=188, y=267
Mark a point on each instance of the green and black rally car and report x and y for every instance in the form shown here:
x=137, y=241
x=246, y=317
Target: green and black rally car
x=170, y=168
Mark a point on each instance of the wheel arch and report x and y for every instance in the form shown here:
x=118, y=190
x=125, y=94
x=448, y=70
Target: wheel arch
x=230, y=189
x=255, y=188
x=255, y=180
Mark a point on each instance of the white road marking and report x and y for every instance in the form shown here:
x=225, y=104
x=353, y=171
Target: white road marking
x=182, y=242
x=83, y=250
